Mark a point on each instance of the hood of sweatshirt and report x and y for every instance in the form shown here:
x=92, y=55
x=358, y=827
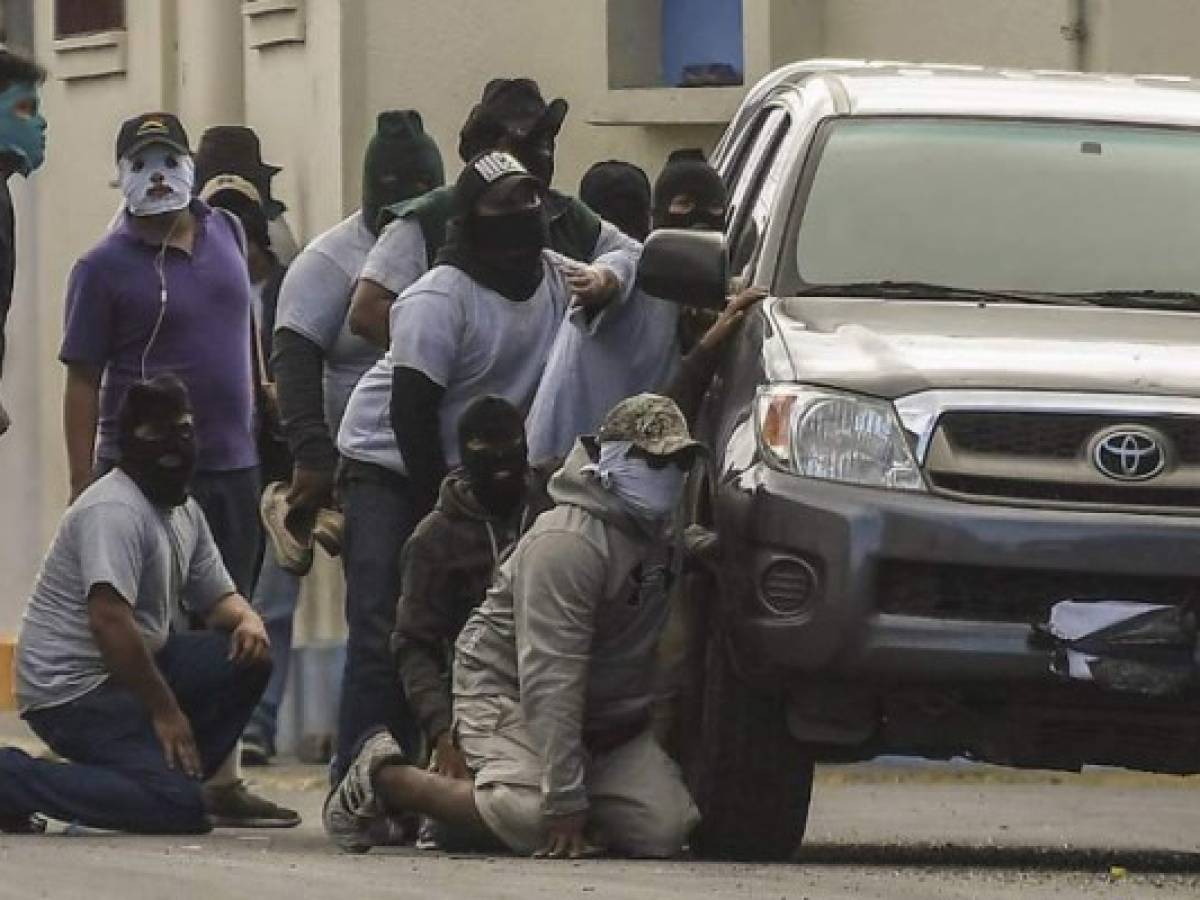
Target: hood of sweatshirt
x=574, y=487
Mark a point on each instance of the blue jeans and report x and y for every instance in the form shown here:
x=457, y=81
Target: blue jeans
x=379, y=519
x=275, y=599
x=117, y=777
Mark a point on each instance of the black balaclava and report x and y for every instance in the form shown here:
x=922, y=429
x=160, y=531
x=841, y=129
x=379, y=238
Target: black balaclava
x=401, y=162
x=504, y=252
x=687, y=172
x=162, y=459
x=619, y=192
x=513, y=116
x=495, y=456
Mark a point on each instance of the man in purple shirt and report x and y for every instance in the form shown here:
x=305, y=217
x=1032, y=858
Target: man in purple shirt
x=167, y=292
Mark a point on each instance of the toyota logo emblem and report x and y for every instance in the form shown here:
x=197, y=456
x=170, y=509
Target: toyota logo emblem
x=1130, y=454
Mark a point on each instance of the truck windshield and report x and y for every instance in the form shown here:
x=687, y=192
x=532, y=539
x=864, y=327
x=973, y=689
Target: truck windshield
x=1104, y=213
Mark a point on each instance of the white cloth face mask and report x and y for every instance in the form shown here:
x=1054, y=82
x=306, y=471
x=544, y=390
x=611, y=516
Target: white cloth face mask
x=649, y=494
x=143, y=194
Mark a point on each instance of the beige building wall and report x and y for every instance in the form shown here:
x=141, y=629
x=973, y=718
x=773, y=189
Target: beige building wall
x=310, y=76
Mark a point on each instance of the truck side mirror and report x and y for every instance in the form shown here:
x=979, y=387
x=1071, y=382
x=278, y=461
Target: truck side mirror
x=685, y=266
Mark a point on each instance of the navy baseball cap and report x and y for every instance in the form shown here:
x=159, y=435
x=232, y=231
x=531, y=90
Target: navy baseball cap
x=151, y=128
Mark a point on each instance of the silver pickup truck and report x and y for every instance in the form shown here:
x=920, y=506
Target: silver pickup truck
x=973, y=392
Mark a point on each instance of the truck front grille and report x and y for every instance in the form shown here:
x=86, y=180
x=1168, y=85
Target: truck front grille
x=1050, y=459
x=1042, y=435
x=1053, y=492
x=983, y=594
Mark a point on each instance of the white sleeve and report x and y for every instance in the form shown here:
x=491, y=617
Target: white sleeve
x=612, y=238
x=398, y=258
x=426, y=332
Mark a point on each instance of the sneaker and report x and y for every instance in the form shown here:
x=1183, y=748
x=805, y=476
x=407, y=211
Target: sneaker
x=256, y=752
x=351, y=812
x=233, y=806
x=34, y=824
x=328, y=531
x=292, y=554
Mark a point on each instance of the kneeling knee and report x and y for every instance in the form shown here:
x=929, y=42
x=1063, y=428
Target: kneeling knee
x=658, y=838
x=256, y=674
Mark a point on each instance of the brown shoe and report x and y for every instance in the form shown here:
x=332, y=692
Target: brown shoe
x=233, y=806
x=328, y=531
x=292, y=554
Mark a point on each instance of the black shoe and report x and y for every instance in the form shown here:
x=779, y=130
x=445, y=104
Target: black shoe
x=22, y=825
x=233, y=806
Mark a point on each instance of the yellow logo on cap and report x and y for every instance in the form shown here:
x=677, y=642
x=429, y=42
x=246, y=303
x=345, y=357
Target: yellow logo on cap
x=151, y=125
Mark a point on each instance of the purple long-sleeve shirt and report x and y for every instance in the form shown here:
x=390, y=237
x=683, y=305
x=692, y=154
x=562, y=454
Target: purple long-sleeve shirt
x=113, y=302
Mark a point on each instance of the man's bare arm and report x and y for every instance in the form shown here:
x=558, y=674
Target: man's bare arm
x=81, y=413
x=248, y=644
x=370, y=310
x=131, y=665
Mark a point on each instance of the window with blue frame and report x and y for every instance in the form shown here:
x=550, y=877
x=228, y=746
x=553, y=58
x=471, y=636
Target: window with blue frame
x=675, y=43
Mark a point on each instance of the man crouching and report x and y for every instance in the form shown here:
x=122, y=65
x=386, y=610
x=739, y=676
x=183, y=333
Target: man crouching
x=553, y=674
x=142, y=714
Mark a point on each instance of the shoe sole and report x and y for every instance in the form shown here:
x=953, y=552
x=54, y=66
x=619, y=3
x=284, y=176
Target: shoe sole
x=291, y=555
x=226, y=822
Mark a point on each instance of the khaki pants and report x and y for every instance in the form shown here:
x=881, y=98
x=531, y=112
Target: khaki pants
x=639, y=805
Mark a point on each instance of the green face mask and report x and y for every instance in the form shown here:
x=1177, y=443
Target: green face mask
x=22, y=127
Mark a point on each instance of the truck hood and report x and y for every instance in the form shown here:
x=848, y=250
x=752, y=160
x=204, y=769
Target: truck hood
x=891, y=348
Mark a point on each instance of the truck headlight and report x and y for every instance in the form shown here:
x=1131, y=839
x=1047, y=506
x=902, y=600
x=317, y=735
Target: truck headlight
x=835, y=437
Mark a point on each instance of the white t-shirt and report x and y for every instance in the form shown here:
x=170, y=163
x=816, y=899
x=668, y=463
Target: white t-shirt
x=464, y=337
x=314, y=302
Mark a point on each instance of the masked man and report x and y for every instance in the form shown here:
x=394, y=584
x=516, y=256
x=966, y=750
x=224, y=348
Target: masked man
x=480, y=322
x=316, y=364
x=447, y=564
x=639, y=346
x=22, y=150
x=554, y=673
x=317, y=359
x=237, y=150
x=141, y=713
x=168, y=291
x=512, y=117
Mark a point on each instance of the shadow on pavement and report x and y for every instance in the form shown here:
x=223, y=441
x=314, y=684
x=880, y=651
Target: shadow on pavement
x=940, y=856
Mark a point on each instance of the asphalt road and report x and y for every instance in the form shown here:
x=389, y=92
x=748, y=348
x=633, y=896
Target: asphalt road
x=875, y=832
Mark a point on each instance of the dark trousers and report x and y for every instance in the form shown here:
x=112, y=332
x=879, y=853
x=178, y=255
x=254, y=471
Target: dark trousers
x=117, y=777
x=379, y=519
x=230, y=504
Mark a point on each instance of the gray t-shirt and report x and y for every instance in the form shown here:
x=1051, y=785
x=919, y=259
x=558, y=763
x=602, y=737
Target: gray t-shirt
x=112, y=535
x=314, y=302
x=464, y=337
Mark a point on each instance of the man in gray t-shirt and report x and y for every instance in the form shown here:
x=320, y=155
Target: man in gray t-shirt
x=312, y=331
x=142, y=713
x=481, y=322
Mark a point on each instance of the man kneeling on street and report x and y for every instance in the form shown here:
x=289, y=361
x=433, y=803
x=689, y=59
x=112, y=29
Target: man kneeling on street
x=554, y=673
x=142, y=714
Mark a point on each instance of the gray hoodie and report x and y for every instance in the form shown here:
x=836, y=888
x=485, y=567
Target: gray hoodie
x=570, y=628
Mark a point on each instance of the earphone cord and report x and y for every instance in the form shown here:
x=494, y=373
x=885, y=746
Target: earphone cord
x=160, y=263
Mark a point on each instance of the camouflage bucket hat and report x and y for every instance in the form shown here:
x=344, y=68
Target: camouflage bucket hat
x=650, y=422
